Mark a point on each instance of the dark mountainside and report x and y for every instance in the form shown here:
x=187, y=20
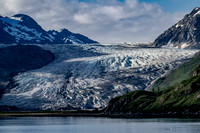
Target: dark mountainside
x=184, y=34
x=20, y=58
x=22, y=29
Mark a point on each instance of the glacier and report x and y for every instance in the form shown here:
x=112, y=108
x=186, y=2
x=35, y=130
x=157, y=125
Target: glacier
x=88, y=76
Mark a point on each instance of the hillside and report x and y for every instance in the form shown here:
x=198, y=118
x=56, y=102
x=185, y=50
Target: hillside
x=173, y=78
x=181, y=99
x=20, y=58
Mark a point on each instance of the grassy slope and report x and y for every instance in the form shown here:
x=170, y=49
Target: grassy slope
x=178, y=75
x=182, y=97
x=135, y=101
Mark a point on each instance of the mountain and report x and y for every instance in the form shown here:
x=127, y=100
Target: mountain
x=184, y=34
x=22, y=29
x=178, y=100
x=20, y=58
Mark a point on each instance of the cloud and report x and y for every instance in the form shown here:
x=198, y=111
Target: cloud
x=104, y=21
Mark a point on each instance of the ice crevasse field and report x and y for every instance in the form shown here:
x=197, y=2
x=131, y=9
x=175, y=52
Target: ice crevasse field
x=88, y=76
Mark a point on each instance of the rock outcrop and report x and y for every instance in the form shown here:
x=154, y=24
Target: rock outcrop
x=184, y=34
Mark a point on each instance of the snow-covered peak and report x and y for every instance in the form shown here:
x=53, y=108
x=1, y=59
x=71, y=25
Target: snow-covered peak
x=184, y=34
x=195, y=12
x=22, y=29
x=21, y=17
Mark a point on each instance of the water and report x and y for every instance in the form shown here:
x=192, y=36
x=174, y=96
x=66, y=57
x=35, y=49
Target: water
x=97, y=125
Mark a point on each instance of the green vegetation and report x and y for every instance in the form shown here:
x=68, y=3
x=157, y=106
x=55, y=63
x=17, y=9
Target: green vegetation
x=134, y=101
x=180, y=98
x=178, y=75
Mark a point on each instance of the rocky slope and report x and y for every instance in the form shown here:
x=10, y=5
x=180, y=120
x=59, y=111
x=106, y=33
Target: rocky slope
x=179, y=100
x=20, y=58
x=184, y=34
x=22, y=29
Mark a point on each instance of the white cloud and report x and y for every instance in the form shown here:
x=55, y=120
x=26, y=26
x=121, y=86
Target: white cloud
x=105, y=21
x=83, y=18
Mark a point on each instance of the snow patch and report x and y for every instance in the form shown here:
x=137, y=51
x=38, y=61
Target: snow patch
x=75, y=40
x=10, y=21
x=54, y=33
x=185, y=45
x=196, y=14
x=179, y=25
x=16, y=18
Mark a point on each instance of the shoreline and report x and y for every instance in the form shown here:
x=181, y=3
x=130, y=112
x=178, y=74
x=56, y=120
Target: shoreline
x=49, y=115
x=94, y=114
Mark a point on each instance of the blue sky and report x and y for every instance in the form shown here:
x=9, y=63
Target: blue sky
x=167, y=5
x=104, y=20
x=175, y=5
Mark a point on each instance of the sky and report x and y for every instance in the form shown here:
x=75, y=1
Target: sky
x=106, y=21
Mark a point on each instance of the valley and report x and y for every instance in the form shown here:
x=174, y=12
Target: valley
x=88, y=76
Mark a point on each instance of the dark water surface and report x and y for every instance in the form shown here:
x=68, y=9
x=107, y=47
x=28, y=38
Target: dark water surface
x=97, y=125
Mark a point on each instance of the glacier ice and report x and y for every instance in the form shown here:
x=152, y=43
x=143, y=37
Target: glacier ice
x=88, y=76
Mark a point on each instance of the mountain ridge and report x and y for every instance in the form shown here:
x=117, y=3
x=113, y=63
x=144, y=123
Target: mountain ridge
x=184, y=34
x=22, y=29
